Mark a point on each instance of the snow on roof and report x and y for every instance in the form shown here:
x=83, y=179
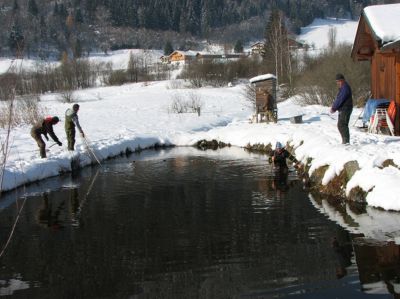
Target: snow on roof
x=262, y=78
x=186, y=53
x=384, y=21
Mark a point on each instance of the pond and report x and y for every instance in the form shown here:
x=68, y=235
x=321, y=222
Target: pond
x=183, y=223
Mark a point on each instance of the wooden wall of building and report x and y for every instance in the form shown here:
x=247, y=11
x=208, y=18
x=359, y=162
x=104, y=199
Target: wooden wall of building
x=261, y=86
x=385, y=80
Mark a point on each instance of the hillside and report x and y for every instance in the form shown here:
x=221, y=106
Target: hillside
x=48, y=27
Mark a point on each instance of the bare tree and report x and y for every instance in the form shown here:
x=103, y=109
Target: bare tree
x=332, y=32
x=276, y=44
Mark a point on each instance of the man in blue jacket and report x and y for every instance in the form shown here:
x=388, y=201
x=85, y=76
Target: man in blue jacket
x=344, y=104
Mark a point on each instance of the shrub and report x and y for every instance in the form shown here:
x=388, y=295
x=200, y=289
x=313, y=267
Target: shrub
x=316, y=84
x=117, y=77
x=24, y=110
x=189, y=103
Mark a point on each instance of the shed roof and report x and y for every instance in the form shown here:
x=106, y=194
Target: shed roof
x=384, y=21
x=262, y=78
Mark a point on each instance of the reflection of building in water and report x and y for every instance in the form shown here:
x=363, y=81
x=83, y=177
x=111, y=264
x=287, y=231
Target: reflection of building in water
x=379, y=263
x=377, y=258
x=343, y=251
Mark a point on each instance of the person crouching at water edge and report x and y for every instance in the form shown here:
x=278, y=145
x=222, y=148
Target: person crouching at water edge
x=279, y=156
x=45, y=127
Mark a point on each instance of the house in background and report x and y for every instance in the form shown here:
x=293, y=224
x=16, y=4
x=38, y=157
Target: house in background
x=378, y=41
x=184, y=57
x=164, y=59
x=258, y=48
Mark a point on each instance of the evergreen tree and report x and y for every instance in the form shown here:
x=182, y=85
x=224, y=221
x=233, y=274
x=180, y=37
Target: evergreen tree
x=16, y=40
x=32, y=8
x=168, y=49
x=238, y=46
x=15, y=6
x=78, y=16
x=77, y=49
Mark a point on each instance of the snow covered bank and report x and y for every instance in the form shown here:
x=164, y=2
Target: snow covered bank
x=138, y=116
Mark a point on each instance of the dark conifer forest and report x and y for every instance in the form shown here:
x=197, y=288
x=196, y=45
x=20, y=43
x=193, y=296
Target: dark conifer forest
x=51, y=27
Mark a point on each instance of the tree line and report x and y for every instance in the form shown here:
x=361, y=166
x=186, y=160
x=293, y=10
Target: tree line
x=46, y=27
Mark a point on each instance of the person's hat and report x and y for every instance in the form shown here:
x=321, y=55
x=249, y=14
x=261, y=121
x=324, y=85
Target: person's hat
x=278, y=145
x=339, y=77
x=55, y=119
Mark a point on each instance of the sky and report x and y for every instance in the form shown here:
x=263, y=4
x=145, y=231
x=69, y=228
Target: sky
x=139, y=115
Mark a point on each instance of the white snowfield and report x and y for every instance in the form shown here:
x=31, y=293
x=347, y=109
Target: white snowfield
x=138, y=115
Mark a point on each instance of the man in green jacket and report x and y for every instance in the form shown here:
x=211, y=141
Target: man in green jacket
x=45, y=127
x=72, y=121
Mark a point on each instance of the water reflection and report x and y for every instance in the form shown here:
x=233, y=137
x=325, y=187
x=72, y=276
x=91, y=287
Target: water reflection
x=180, y=225
x=374, y=236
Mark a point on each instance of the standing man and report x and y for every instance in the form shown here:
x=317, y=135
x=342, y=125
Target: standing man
x=71, y=121
x=344, y=104
x=45, y=127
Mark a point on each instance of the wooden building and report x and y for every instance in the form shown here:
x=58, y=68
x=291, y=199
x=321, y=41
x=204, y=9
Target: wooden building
x=258, y=48
x=182, y=56
x=378, y=41
x=164, y=59
x=265, y=86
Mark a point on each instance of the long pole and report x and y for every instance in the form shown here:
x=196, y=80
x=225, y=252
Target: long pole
x=90, y=150
x=358, y=116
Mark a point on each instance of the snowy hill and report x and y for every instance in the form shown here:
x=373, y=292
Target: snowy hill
x=119, y=60
x=316, y=34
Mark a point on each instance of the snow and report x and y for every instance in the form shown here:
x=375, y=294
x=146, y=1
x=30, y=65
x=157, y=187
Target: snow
x=262, y=78
x=316, y=34
x=118, y=59
x=384, y=21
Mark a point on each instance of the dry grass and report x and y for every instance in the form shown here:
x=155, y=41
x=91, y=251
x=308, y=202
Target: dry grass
x=25, y=110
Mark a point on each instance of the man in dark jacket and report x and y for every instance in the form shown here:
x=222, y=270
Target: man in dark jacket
x=72, y=121
x=344, y=104
x=45, y=127
x=279, y=156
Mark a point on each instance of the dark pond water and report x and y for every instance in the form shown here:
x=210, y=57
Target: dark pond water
x=182, y=223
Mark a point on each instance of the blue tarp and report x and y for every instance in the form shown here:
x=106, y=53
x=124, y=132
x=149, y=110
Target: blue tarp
x=370, y=108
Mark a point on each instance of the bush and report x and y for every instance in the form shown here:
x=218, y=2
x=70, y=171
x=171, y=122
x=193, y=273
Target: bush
x=25, y=110
x=189, y=103
x=316, y=84
x=216, y=73
x=117, y=77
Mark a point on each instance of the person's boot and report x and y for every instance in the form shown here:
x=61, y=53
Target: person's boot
x=42, y=152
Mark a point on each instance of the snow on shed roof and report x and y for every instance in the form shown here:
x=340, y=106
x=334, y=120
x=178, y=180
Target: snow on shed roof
x=384, y=20
x=262, y=78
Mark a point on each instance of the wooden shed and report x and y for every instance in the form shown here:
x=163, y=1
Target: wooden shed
x=265, y=86
x=378, y=40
